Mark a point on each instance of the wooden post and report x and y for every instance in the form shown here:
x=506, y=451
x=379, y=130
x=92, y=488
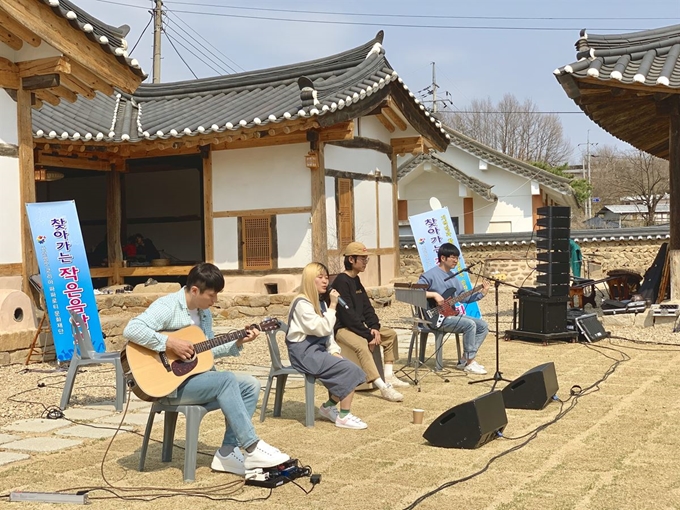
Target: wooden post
x=208, y=207
x=395, y=217
x=113, y=224
x=27, y=183
x=674, y=178
x=468, y=216
x=319, y=227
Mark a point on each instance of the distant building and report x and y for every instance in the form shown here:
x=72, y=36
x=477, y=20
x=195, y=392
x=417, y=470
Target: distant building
x=628, y=215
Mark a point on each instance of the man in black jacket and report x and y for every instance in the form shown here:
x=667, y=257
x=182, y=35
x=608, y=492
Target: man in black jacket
x=358, y=328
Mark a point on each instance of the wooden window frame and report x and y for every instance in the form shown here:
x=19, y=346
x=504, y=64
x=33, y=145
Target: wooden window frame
x=273, y=255
x=340, y=244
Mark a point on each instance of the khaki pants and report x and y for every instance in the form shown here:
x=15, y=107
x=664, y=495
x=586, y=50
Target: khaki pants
x=388, y=340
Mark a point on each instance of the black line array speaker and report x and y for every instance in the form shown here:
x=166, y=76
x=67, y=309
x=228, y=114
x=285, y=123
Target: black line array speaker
x=552, y=245
x=533, y=389
x=469, y=425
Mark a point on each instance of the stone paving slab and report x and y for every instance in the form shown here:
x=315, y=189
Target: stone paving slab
x=8, y=457
x=6, y=438
x=35, y=425
x=41, y=444
x=85, y=413
x=130, y=419
x=88, y=432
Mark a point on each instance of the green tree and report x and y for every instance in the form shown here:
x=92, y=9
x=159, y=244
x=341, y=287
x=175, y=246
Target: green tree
x=582, y=189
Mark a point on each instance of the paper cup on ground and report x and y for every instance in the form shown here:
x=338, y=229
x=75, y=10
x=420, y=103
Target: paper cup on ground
x=418, y=415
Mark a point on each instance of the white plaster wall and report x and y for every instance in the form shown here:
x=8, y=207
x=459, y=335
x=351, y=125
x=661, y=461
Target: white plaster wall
x=362, y=161
x=365, y=230
x=420, y=186
x=261, y=178
x=8, y=119
x=331, y=216
x=385, y=205
x=225, y=242
x=294, y=234
x=370, y=127
x=10, y=210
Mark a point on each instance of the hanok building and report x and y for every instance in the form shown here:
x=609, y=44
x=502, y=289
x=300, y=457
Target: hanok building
x=259, y=172
x=49, y=51
x=485, y=190
x=629, y=84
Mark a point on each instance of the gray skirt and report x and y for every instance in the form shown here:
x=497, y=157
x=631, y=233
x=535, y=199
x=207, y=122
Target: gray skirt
x=339, y=375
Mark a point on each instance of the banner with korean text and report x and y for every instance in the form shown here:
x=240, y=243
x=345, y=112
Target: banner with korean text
x=64, y=273
x=431, y=230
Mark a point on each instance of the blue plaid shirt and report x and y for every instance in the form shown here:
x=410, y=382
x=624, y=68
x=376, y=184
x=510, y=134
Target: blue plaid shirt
x=170, y=313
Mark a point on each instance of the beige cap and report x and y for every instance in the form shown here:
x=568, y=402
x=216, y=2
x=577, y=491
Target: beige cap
x=356, y=248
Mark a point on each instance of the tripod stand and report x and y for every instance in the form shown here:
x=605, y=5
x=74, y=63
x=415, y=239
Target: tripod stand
x=498, y=375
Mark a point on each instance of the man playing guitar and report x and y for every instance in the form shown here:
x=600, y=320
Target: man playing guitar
x=474, y=330
x=235, y=395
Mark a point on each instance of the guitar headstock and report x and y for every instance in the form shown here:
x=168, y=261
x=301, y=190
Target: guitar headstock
x=270, y=324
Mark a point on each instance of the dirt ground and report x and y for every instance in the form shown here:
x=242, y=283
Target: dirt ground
x=615, y=446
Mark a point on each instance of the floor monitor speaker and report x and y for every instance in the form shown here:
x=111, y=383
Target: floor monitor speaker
x=532, y=390
x=469, y=425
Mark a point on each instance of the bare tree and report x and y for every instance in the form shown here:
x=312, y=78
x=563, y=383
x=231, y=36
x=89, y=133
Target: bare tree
x=633, y=175
x=514, y=128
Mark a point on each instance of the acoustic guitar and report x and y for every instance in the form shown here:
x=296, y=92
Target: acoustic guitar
x=157, y=374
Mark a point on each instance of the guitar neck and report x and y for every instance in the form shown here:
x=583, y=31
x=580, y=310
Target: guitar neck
x=463, y=296
x=219, y=340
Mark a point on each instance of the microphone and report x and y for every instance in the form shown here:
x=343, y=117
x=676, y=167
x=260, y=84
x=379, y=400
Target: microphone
x=342, y=303
x=461, y=271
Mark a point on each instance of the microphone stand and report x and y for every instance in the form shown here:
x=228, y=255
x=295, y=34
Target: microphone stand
x=498, y=375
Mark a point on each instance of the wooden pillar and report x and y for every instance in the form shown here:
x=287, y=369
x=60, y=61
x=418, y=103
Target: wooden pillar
x=395, y=216
x=319, y=226
x=674, y=178
x=114, y=206
x=468, y=216
x=26, y=183
x=208, y=208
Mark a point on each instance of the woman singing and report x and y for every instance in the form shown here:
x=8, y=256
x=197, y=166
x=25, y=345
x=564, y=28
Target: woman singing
x=312, y=349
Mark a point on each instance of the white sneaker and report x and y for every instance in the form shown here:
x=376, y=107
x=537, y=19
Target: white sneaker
x=350, y=422
x=396, y=382
x=264, y=456
x=232, y=463
x=330, y=413
x=389, y=393
x=474, y=368
x=462, y=364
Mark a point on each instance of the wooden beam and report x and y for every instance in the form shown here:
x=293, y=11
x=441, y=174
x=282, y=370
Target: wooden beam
x=365, y=143
x=262, y=212
x=48, y=97
x=56, y=31
x=64, y=93
x=9, y=74
x=19, y=30
x=27, y=183
x=78, y=163
x=10, y=39
x=90, y=79
x=395, y=218
x=11, y=269
x=319, y=228
x=390, y=113
x=38, y=82
x=408, y=145
x=383, y=120
x=113, y=225
x=47, y=65
x=674, y=176
x=77, y=86
x=208, y=222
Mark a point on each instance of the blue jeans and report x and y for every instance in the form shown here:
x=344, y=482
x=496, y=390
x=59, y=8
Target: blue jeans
x=234, y=394
x=474, y=332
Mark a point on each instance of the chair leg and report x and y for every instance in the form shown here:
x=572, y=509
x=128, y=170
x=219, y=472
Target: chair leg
x=410, y=347
x=194, y=415
x=439, y=351
x=458, y=348
x=120, y=385
x=145, y=441
x=169, y=425
x=265, y=398
x=423, y=345
x=278, y=396
x=309, y=401
x=68, y=384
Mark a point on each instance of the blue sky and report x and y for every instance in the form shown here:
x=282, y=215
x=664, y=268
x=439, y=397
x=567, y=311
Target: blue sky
x=472, y=62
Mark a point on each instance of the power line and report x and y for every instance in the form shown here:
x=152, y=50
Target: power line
x=378, y=24
x=179, y=54
x=142, y=34
x=174, y=28
x=519, y=112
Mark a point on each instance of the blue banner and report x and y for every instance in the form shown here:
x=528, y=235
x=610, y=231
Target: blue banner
x=430, y=231
x=64, y=272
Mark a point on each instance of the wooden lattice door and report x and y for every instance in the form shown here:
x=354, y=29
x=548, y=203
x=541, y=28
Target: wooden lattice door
x=256, y=232
x=345, y=213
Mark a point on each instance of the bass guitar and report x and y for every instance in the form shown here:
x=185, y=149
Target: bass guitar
x=447, y=308
x=157, y=374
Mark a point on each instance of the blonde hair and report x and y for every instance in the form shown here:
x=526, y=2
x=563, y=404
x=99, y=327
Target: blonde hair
x=308, y=287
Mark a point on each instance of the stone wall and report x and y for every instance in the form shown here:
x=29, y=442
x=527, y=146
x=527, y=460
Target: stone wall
x=517, y=262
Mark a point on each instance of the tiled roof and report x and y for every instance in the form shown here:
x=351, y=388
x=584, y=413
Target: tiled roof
x=650, y=57
x=479, y=187
x=315, y=89
x=111, y=39
x=497, y=158
x=634, y=208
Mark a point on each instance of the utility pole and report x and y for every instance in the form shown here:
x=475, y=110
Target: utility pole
x=589, y=202
x=157, y=27
x=434, y=89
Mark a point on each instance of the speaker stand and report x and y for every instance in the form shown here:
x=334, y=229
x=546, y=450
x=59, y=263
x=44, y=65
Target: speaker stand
x=498, y=375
